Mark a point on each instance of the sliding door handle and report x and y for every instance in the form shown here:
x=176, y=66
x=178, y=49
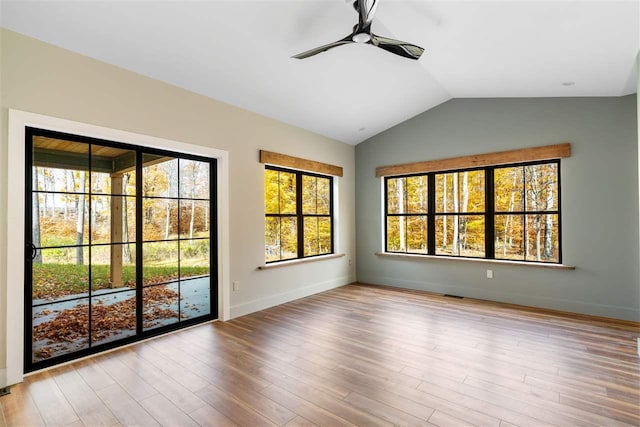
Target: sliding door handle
x=32, y=251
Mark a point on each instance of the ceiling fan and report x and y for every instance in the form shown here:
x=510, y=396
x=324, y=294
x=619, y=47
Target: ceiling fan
x=362, y=34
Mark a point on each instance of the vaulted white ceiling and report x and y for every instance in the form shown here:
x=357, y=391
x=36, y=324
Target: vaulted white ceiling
x=239, y=52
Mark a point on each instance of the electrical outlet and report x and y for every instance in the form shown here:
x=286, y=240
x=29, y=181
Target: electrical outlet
x=489, y=274
x=236, y=285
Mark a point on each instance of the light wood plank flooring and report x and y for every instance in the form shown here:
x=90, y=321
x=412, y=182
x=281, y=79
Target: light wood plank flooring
x=358, y=355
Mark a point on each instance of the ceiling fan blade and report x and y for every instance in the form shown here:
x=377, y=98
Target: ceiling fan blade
x=398, y=47
x=324, y=48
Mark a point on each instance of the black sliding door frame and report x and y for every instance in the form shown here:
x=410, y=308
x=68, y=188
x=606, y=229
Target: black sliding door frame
x=31, y=251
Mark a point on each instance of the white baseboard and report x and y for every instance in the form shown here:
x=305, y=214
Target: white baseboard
x=603, y=310
x=281, y=298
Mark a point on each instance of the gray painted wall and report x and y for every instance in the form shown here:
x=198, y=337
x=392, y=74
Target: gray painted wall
x=599, y=200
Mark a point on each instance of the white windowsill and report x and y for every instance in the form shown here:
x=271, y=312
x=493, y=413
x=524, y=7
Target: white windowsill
x=480, y=260
x=299, y=261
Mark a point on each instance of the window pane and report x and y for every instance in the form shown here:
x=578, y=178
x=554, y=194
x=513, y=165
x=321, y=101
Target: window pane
x=112, y=169
x=460, y=235
x=311, y=242
x=324, y=227
x=113, y=316
x=271, y=202
x=194, y=257
x=471, y=237
x=395, y=195
x=541, y=187
x=159, y=262
x=60, y=226
x=50, y=339
x=60, y=165
x=395, y=234
x=159, y=305
x=195, y=298
x=159, y=176
x=309, y=199
x=324, y=196
x=509, y=189
x=542, y=238
x=444, y=193
x=417, y=234
x=445, y=226
x=159, y=219
x=417, y=194
x=460, y=192
x=509, y=237
x=289, y=237
x=122, y=229
x=107, y=272
x=272, y=239
x=195, y=216
x=194, y=179
x=287, y=193
x=62, y=273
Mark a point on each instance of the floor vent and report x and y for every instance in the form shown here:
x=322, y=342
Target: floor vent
x=5, y=390
x=453, y=296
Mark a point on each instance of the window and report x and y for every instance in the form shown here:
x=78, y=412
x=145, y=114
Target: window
x=298, y=214
x=496, y=212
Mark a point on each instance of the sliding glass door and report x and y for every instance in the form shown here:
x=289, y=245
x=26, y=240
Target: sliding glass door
x=119, y=244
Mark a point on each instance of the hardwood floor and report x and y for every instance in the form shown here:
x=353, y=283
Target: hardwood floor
x=358, y=355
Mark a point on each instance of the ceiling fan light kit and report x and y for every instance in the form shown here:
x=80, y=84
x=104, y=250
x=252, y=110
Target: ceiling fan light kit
x=362, y=34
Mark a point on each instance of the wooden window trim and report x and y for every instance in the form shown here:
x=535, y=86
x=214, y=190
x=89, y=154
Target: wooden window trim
x=522, y=155
x=284, y=160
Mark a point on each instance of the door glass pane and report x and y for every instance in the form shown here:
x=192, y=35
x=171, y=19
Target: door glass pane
x=194, y=179
x=113, y=170
x=194, y=219
x=195, y=298
x=160, y=305
x=113, y=316
x=159, y=219
x=67, y=226
x=60, y=328
x=159, y=176
x=61, y=273
x=113, y=219
x=194, y=257
x=113, y=267
x=159, y=262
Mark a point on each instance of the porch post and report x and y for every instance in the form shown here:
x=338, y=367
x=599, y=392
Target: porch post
x=116, y=230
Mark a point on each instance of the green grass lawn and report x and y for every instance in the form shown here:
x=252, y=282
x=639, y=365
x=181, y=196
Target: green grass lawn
x=56, y=280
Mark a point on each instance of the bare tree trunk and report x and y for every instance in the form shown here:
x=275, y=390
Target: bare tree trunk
x=456, y=204
x=80, y=222
x=548, y=244
x=444, y=210
x=35, y=213
x=508, y=223
x=168, y=216
x=465, y=205
x=194, y=180
x=400, y=193
x=125, y=221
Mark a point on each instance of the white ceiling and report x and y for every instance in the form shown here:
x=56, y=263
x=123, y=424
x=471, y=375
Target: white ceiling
x=239, y=52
